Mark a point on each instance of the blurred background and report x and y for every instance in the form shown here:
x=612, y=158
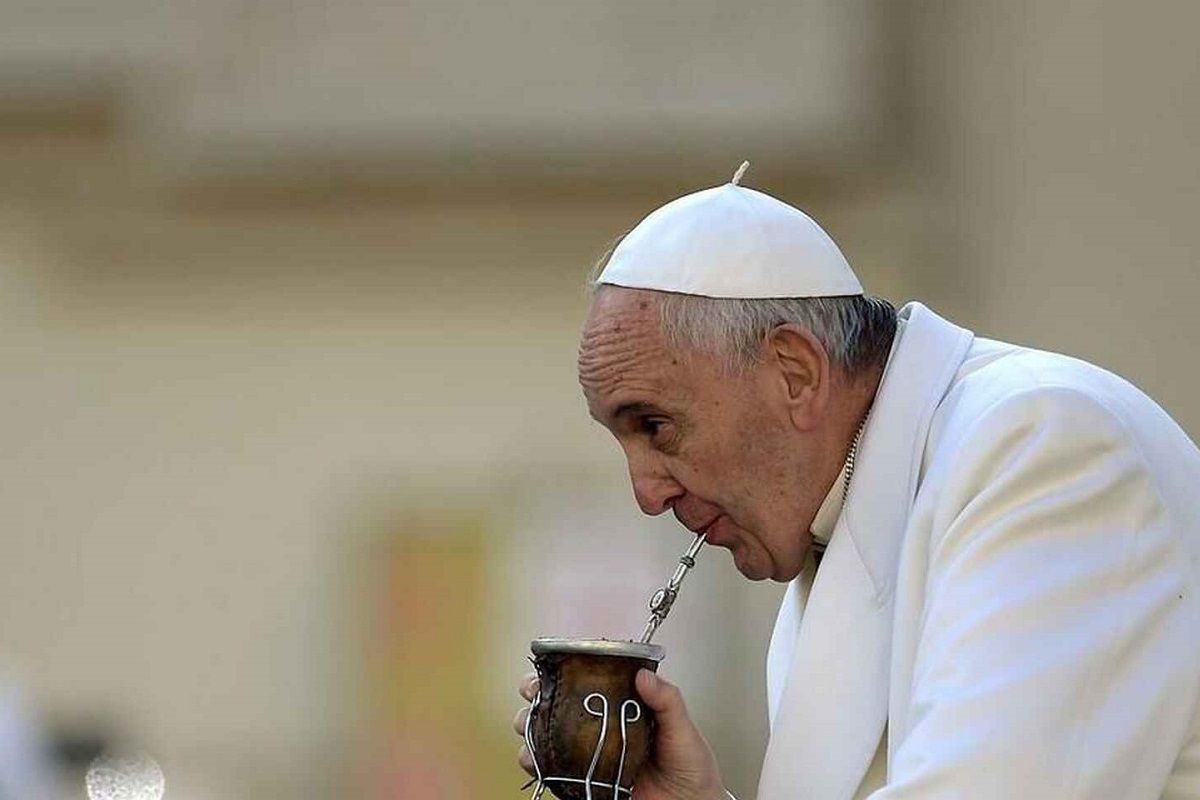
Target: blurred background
x=294, y=461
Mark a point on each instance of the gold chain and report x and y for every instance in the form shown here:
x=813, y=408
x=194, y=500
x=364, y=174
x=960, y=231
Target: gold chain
x=818, y=548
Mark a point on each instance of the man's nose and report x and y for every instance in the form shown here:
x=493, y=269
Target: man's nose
x=655, y=491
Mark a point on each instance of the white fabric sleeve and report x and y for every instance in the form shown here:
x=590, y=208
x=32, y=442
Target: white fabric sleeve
x=1057, y=656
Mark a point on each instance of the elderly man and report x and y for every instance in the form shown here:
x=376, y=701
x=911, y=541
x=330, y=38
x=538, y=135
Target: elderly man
x=993, y=553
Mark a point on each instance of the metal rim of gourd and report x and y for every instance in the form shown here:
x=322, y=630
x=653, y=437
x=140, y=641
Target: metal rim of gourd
x=597, y=647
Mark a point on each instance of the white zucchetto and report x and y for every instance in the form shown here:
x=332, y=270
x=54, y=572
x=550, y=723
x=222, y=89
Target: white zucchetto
x=731, y=241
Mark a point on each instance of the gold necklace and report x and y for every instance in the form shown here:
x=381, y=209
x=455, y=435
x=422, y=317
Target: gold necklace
x=818, y=548
x=850, y=457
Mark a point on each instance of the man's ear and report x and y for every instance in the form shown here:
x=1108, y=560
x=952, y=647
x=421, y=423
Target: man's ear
x=802, y=373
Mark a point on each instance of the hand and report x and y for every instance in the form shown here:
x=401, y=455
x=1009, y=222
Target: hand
x=682, y=766
x=528, y=689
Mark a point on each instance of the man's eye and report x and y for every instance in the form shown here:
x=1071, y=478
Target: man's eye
x=651, y=426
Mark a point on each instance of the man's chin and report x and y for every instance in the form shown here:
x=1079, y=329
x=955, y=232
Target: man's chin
x=760, y=570
x=750, y=567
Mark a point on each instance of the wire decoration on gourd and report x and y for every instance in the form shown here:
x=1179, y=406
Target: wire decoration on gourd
x=631, y=712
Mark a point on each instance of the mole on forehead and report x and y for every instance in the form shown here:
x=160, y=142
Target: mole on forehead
x=615, y=351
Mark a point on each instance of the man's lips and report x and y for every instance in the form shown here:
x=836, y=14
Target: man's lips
x=708, y=529
x=700, y=528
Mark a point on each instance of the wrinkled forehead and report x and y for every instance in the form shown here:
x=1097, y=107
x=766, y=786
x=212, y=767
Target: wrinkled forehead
x=623, y=351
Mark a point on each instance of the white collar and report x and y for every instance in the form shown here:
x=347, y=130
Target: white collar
x=831, y=507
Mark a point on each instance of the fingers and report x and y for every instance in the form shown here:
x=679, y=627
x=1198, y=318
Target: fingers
x=519, y=722
x=525, y=760
x=529, y=686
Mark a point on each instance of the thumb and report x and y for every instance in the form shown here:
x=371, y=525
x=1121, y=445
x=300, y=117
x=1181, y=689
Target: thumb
x=684, y=762
x=664, y=698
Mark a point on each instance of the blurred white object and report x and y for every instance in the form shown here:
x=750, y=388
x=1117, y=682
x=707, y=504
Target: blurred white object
x=25, y=772
x=135, y=777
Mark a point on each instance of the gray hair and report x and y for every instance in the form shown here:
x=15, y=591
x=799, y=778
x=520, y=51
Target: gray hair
x=857, y=330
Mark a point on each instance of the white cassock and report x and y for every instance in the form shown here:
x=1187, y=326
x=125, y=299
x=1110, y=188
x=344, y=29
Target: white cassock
x=1009, y=606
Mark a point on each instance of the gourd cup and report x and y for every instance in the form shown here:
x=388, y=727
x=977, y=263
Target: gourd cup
x=588, y=730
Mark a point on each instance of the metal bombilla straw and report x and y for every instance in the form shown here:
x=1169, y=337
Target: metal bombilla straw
x=660, y=604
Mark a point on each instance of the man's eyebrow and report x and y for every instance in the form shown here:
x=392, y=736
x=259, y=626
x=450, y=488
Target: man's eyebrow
x=629, y=409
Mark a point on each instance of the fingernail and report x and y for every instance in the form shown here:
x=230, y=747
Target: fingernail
x=651, y=679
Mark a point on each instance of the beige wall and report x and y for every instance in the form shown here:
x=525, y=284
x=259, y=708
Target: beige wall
x=1058, y=141
x=210, y=397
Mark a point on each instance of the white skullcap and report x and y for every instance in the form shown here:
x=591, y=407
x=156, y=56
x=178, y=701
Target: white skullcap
x=731, y=241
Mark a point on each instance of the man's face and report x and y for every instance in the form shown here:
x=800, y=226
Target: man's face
x=718, y=450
